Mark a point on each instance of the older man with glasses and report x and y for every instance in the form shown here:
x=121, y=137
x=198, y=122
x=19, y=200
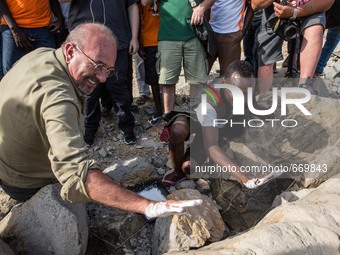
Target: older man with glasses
x=41, y=139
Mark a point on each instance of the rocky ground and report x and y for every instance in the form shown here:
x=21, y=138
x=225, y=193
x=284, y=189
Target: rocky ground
x=112, y=231
x=108, y=149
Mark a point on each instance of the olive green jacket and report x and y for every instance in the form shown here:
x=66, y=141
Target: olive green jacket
x=41, y=126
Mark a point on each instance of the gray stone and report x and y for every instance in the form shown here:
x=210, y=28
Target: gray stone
x=309, y=225
x=151, y=144
x=203, y=186
x=6, y=203
x=119, y=229
x=131, y=172
x=103, y=152
x=290, y=196
x=187, y=184
x=160, y=171
x=243, y=208
x=159, y=161
x=147, y=125
x=148, y=110
x=46, y=224
x=199, y=225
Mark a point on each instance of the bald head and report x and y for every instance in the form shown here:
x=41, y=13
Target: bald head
x=90, y=53
x=85, y=32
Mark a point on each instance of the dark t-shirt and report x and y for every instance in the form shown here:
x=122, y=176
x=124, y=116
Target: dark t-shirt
x=112, y=13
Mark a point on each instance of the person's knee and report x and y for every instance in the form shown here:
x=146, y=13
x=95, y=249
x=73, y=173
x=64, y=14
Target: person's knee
x=179, y=132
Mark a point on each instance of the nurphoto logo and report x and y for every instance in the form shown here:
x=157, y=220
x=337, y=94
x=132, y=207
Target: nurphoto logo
x=239, y=99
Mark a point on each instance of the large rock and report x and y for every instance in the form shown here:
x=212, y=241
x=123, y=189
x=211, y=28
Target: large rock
x=114, y=226
x=131, y=172
x=243, y=208
x=46, y=224
x=201, y=224
x=308, y=226
x=311, y=151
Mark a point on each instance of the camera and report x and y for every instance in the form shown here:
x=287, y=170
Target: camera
x=291, y=30
x=285, y=28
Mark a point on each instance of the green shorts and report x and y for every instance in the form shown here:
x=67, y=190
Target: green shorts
x=171, y=55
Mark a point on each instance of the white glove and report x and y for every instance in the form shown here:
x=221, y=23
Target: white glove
x=170, y=207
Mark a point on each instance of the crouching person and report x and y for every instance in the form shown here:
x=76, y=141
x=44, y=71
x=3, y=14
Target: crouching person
x=41, y=139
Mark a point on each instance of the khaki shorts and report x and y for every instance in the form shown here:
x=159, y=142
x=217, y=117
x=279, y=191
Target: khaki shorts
x=171, y=55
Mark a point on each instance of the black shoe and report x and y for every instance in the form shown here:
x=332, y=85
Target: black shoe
x=89, y=141
x=130, y=139
x=134, y=107
x=106, y=111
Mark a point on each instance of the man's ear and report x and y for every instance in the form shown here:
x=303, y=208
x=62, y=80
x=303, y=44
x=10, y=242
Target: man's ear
x=69, y=52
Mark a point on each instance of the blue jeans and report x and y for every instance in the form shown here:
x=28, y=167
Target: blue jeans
x=143, y=88
x=11, y=53
x=332, y=40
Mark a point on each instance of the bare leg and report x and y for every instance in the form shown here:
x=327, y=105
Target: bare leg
x=310, y=51
x=179, y=132
x=265, y=74
x=169, y=97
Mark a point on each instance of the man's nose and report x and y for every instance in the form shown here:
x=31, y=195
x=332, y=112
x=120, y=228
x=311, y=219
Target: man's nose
x=102, y=76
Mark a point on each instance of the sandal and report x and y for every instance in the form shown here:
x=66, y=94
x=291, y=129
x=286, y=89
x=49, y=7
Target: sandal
x=142, y=100
x=172, y=183
x=154, y=120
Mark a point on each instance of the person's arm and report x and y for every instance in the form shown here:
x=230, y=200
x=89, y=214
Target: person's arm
x=80, y=177
x=312, y=7
x=248, y=19
x=260, y=4
x=103, y=189
x=198, y=11
x=217, y=155
x=146, y=2
x=57, y=25
x=22, y=40
x=133, y=13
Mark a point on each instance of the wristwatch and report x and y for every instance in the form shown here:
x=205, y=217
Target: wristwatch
x=192, y=3
x=294, y=13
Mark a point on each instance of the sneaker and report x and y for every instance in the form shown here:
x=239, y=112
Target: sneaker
x=130, y=139
x=106, y=111
x=89, y=141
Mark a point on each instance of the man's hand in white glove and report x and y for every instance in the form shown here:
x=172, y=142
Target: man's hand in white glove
x=169, y=207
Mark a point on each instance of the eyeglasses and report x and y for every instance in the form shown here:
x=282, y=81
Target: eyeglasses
x=100, y=67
